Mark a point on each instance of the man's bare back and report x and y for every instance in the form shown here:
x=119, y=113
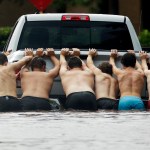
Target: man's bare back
x=7, y=81
x=77, y=80
x=38, y=82
x=131, y=82
x=8, y=95
x=106, y=86
x=8, y=77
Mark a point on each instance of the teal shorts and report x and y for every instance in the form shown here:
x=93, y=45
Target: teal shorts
x=131, y=102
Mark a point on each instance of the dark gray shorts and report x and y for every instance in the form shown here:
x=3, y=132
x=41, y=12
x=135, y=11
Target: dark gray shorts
x=107, y=103
x=81, y=101
x=9, y=104
x=30, y=103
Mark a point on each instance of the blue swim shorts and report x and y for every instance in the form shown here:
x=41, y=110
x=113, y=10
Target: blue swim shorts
x=131, y=102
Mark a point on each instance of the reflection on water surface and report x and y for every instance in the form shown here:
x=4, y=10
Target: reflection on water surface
x=75, y=130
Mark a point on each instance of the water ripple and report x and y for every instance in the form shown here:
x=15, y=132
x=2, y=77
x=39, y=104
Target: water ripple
x=75, y=130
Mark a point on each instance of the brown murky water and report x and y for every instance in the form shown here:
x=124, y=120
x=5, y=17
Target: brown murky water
x=75, y=131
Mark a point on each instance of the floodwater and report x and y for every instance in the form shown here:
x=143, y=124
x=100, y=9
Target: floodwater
x=68, y=130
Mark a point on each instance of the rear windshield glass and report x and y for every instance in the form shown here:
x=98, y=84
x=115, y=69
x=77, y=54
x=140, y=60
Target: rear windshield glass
x=79, y=34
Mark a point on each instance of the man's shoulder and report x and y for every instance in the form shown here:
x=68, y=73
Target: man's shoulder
x=128, y=72
x=78, y=72
x=87, y=72
x=140, y=73
x=134, y=73
x=3, y=67
x=102, y=74
x=123, y=74
x=35, y=73
x=6, y=68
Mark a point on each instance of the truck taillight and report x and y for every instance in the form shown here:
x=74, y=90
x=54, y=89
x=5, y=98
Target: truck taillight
x=76, y=17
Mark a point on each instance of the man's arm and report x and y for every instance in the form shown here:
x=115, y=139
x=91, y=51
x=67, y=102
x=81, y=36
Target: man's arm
x=139, y=67
x=113, y=56
x=17, y=65
x=63, y=62
x=28, y=52
x=143, y=56
x=53, y=72
x=92, y=53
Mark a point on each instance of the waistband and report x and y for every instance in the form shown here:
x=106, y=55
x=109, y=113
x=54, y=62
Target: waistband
x=7, y=97
x=104, y=98
x=35, y=97
x=129, y=97
x=82, y=92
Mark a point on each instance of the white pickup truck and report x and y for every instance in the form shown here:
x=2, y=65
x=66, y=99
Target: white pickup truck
x=84, y=31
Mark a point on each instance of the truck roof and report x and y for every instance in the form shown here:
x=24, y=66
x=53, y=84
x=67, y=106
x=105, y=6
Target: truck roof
x=58, y=16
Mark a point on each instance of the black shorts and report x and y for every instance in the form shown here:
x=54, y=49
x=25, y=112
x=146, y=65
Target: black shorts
x=107, y=103
x=9, y=104
x=81, y=101
x=30, y=103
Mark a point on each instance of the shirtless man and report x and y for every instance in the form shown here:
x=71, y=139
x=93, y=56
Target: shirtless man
x=130, y=80
x=8, y=94
x=77, y=81
x=36, y=84
x=144, y=56
x=106, y=87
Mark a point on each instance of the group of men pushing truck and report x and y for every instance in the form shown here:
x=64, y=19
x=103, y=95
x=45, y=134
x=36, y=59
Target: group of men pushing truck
x=86, y=86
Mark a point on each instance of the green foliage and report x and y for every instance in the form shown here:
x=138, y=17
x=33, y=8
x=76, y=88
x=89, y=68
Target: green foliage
x=4, y=34
x=144, y=38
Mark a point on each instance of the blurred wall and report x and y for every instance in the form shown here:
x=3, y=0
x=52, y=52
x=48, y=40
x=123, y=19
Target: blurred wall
x=132, y=9
x=10, y=11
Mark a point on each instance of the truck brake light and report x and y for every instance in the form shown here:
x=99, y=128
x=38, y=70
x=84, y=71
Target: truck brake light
x=76, y=17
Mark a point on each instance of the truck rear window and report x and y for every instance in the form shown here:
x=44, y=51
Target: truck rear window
x=79, y=34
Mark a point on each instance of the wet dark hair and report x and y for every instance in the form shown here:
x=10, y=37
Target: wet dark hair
x=106, y=67
x=74, y=62
x=3, y=59
x=37, y=62
x=128, y=60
